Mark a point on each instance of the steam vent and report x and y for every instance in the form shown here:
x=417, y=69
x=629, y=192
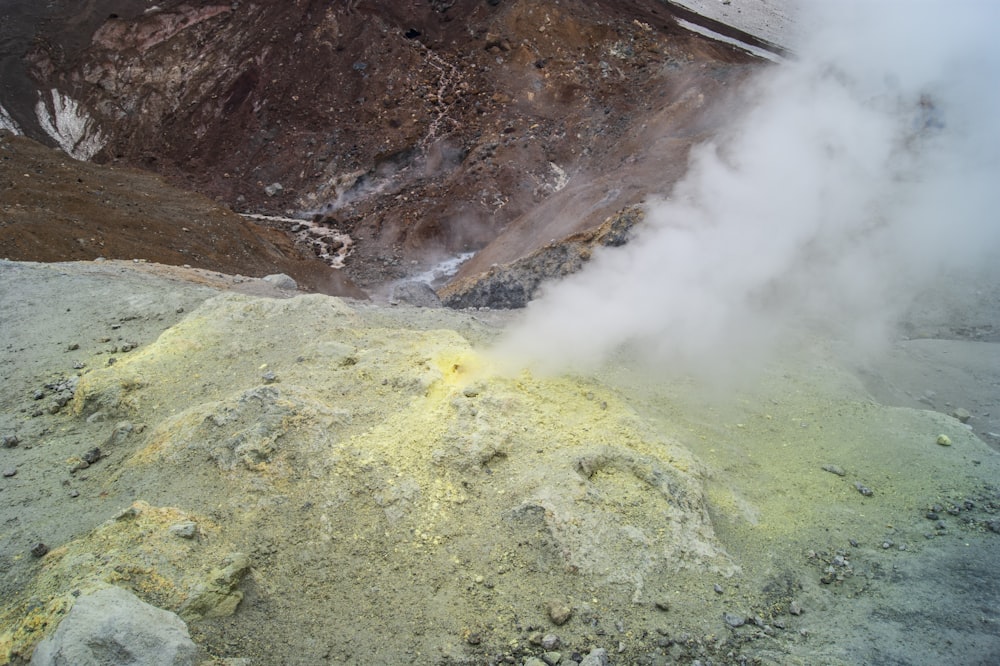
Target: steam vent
x=499, y=332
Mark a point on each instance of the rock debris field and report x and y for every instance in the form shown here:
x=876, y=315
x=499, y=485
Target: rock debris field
x=289, y=478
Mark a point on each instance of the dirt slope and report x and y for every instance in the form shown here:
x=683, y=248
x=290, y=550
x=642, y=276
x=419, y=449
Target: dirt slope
x=420, y=129
x=55, y=208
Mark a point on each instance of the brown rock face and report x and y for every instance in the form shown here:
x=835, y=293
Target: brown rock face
x=420, y=129
x=54, y=208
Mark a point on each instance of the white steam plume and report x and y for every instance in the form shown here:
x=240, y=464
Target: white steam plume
x=858, y=172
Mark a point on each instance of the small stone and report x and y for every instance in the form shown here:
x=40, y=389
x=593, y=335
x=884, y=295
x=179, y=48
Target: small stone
x=184, y=530
x=962, y=415
x=9, y=472
x=718, y=588
x=597, y=657
x=834, y=469
x=39, y=549
x=74, y=493
x=734, y=620
x=863, y=489
x=534, y=661
x=558, y=612
x=269, y=377
x=274, y=189
x=887, y=544
x=91, y=456
x=473, y=638
x=38, y=394
x=944, y=440
x=552, y=658
x=10, y=441
x=793, y=609
x=662, y=604
x=931, y=515
x=73, y=347
x=551, y=641
x=129, y=513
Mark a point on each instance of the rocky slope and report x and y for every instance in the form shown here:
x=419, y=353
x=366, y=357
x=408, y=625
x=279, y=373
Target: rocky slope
x=55, y=208
x=312, y=480
x=421, y=130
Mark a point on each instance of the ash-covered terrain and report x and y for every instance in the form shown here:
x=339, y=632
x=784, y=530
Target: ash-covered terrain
x=749, y=413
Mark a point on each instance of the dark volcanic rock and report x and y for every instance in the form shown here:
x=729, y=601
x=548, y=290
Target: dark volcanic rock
x=513, y=285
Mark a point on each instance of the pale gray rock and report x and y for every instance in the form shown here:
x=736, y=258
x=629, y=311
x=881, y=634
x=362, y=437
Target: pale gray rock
x=281, y=281
x=113, y=627
x=597, y=657
x=415, y=293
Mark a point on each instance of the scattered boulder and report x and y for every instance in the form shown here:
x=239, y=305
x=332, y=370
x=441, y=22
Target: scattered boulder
x=281, y=281
x=113, y=627
x=414, y=293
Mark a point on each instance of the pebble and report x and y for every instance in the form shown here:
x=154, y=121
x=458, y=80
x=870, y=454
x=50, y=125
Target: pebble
x=944, y=440
x=597, y=657
x=794, y=609
x=39, y=549
x=534, y=661
x=9, y=472
x=10, y=441
x=74, y=493
x=962, y=415
x=558, y=612
x=184, y=530
x=38, y=394
x=91, y=456
x=550, y=642
x=863, y=489
x=734, y=620
x=552, y=658
x=662, y=604
x=269, y=377
x=834, y=469
x=717, y=588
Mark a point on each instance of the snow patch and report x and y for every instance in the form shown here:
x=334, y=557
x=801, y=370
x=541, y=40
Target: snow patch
x=7, y=122
x=70, y=126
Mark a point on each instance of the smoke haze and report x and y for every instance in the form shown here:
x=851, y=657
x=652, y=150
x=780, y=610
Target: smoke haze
x=856, y=174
